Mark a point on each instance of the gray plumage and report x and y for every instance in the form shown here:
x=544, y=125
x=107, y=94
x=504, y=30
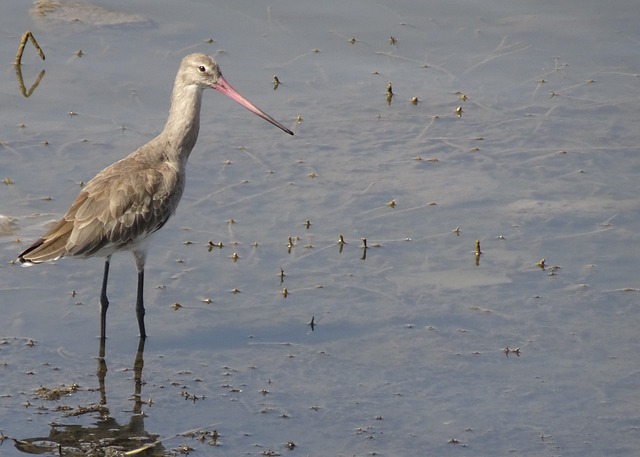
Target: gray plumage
x=133, y=198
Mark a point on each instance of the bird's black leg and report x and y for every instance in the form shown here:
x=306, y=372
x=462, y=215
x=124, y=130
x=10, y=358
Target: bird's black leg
x=104, y=304
x=140, y=304
x=141, y=256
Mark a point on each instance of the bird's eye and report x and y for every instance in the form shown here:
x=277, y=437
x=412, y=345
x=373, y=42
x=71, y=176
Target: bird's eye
x=202, y=68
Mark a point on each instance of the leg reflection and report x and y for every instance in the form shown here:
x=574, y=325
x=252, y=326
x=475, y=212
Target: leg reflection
x=102, y=374
x=138, y=365
x=107, y=435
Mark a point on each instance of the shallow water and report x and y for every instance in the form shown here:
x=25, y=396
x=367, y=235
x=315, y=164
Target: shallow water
x=407, y=354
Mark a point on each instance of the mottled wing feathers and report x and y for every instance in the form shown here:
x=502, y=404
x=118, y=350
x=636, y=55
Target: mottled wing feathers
x=122, y=205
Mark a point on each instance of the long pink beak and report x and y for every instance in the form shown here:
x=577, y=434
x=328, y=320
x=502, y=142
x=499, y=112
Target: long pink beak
x=224, y=87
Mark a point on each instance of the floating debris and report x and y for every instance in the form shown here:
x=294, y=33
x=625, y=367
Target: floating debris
x=81, y=410
x=56, y=393
x=211, y=245
x=82, y=14
x=508, y=351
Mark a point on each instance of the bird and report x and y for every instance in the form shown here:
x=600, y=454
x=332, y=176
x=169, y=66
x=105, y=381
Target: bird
x=127, y=202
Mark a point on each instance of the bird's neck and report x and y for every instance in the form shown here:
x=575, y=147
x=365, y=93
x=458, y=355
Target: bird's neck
x=181, y=131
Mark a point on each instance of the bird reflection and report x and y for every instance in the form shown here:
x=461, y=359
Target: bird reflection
x=106, y=435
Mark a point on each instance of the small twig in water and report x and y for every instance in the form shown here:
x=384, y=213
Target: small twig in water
x=23, y=42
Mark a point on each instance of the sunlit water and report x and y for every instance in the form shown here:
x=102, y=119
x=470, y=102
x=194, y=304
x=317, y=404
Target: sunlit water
x=407, y=356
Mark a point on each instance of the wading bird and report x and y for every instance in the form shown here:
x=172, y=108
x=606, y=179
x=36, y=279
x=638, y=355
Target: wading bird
x=123, y=205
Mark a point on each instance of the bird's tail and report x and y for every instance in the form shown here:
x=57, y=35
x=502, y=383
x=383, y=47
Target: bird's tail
x=51, y=246
x=39, y=252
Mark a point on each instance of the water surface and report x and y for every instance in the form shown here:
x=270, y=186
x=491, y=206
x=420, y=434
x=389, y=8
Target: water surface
x=408, y=354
